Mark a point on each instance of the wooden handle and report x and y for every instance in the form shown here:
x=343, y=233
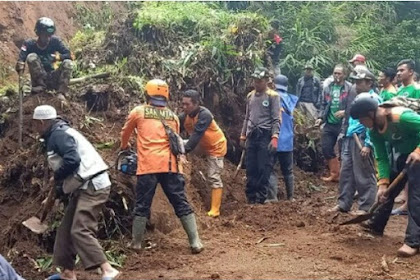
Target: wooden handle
x=240, y=164
x=357, y=140
x=390, y=188
x=82, y=79
x=48, y=204
x=396, y=181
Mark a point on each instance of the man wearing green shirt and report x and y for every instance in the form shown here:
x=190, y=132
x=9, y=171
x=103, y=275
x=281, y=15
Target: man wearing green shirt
x=401, y=128
x=405, y=75
x=333, y=110
x=385, y=79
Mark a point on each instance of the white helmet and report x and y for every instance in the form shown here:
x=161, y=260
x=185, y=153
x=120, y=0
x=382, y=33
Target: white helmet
x=45, y=112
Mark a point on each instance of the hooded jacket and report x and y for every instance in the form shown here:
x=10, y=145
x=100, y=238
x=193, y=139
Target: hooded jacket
x=70, y=154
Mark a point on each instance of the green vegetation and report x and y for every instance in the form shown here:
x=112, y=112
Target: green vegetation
x=94, y=19
x=7, y=87
x=326, y=33
x=223, y=41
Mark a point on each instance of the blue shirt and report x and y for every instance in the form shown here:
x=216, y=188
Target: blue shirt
x=356, y=127
x=287, y=105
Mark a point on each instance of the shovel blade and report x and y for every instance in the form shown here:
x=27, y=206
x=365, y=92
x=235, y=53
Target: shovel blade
x=35, y=225
x=358, y=219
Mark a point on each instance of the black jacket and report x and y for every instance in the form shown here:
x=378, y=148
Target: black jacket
x=316, y=92
x=55, y=45
x=344, y=97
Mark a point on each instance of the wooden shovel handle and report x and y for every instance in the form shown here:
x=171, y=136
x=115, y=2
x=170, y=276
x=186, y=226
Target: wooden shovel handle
x=390, y=188
x=239, y=164
x=357, y=140
x=48, y=204
x=396, y=181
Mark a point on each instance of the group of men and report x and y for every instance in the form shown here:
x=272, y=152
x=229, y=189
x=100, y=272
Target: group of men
x=374, y=134
x=350, y=113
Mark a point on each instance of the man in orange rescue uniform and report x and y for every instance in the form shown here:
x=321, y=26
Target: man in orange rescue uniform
x=204, y=132
x=156, y=163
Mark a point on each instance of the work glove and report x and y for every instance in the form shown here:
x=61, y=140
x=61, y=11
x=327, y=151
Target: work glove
x=56, y=57
x=273, y=144
x=20, y=67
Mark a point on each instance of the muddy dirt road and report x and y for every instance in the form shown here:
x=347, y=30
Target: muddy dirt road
x=300, y=250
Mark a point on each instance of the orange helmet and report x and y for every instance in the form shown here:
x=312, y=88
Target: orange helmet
x=157, y=87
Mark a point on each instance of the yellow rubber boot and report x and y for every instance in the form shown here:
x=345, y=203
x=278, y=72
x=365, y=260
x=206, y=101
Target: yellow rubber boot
x=216, y=201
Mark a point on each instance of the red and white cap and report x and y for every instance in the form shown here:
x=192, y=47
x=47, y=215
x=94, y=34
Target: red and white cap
x=358, y=57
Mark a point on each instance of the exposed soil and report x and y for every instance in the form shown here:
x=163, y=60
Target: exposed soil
x=306, y=242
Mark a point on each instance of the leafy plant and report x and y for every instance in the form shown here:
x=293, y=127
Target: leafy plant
x=89, y=121
x=94, y=19
x=115, y=258
x=44, y=263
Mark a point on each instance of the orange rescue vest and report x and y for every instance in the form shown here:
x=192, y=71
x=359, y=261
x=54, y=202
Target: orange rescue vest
x=153, y=152
x=213, y=142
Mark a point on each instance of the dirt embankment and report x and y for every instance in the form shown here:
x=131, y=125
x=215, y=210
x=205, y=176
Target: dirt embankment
x=17, y=22
x=282, y=240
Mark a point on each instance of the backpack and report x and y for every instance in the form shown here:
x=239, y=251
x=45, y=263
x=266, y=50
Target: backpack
x=401, y=101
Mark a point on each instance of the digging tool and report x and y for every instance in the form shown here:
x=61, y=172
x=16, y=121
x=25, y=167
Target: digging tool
x=376, y=205
x=239, y=164
x=36, y=224
x=94, y=76
x=357, y=140
x=20, y=109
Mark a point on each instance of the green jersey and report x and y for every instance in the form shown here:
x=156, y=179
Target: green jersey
x=411, y=91
x=403, y=134
x=335, y=105
x=388, y=93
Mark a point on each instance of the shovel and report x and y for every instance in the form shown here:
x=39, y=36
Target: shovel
x=239, y=164
x=36, y=224
x=376, y=205
x=359, y=144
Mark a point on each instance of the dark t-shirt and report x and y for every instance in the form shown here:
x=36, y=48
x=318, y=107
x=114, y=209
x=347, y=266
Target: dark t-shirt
x=307, y=90
x=55, y=45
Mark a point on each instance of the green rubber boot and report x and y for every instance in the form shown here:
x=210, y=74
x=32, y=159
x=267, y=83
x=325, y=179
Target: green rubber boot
x=139, y=228
x=190, y=227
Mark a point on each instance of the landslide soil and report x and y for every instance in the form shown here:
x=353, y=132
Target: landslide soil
x=301, y=239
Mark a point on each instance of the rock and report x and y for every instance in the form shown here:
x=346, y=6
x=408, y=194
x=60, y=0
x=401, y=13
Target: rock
x=215, y=276
x=300, y=224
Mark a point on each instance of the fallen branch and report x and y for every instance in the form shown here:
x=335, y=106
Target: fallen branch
x=384, y=264
x=274, y=245
x=261, y=240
